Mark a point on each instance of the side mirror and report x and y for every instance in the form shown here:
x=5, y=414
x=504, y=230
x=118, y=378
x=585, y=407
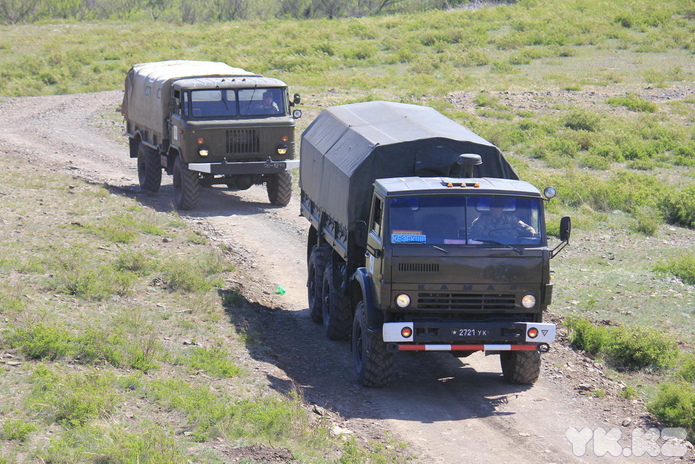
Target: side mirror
x=297, y=99
x=565, y=228
x=361, y=233
x=565, y=231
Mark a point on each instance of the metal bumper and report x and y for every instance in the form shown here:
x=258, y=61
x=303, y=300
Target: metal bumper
x=241, y=167
x=461, y=336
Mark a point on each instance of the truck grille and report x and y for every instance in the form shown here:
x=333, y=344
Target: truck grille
x=242, y=141
x=465, y=302
x=418, y=267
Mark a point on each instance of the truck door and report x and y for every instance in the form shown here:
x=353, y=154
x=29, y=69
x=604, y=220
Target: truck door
x=375, y=247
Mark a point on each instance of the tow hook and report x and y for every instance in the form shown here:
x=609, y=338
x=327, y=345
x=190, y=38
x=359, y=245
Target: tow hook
x=543, y=347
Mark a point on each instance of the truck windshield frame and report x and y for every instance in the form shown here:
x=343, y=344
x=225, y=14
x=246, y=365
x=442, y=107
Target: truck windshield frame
x=466, y=221
x=258, y=102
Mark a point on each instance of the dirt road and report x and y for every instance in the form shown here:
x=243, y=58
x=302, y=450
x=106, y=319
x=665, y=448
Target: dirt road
x=449, y=410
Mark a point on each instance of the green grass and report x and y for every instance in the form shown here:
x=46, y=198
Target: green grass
x=95, y=360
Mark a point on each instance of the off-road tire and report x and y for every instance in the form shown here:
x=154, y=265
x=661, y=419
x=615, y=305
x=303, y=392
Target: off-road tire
x=315, y=269
x=373, y=362
x=336, y=314
x=149, y=168
x=280, y=188
x=186, y=186
x=521, y=367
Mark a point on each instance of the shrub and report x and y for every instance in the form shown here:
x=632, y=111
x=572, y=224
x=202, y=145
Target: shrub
x=678, y=206
x=630, y=348
x=17, y=429
x=641, y=348
x=633, y=103
x=648, y=220
x=42, y=342
x=674, y=405
x=582, y=120
x=682, y=266
x=686, y=371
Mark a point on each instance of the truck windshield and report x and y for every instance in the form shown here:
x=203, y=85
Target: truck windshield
x=261, y=102
x=229, y=103
x=465, y=220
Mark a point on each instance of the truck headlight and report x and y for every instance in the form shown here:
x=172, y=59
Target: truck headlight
x=203, y=152
x=403, y=300
x=528, y=301
x=282, y=150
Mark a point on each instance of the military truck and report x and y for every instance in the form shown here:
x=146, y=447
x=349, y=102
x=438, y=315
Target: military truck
x=404, y=253
x=207, y=123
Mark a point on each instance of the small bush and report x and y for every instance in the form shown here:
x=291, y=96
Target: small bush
x=682, y=267
x=648, y=220
x=72, y=399
x=630, y=348
x=41, y=342
x=678, y=206
x=674, y=405
x=213, y=362
x=582, y=120
x=686, y=371
x=17, y=429
x=633, y=103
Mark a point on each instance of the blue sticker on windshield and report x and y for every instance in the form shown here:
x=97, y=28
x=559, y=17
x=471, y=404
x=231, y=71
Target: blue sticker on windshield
x=407, y=236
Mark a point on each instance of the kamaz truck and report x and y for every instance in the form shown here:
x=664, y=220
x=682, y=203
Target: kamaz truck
x=423, y=238
x=207, y=123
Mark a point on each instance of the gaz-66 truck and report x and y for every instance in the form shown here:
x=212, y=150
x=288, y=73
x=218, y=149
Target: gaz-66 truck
x=422, y=238
x=207, y=123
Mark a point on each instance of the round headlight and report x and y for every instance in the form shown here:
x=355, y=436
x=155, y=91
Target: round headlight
x=403, y=300
x=203, y=152
x=528, y=301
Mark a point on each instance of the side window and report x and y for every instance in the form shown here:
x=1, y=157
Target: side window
x=185, y=104
x=148, y=91
x=377, y=216
x=177, y=97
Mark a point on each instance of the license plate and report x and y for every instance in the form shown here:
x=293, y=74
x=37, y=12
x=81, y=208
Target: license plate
x=468, y=332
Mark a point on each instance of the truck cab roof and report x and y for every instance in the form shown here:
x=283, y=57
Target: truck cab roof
x=447, y=185
x=227, y=82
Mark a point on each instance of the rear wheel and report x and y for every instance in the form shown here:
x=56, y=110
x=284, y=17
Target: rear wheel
x=149, y=168
x=337, y=318
x=373, y=363
x=315, y=269
x=280, y=188
x=186, y=186
x=521, y=367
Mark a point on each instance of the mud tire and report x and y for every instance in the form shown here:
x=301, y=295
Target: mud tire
x=186, y=186
x=149, y=168
x=280, y=188
x=373, y=363
x=315, y=269
x=521, y=367
x=336, y=314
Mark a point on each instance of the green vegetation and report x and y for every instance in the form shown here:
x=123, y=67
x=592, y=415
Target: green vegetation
x=630, y=348
x=108, y=371
x=592, y=97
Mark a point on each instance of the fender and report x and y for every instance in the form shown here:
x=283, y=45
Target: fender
x=375, y=318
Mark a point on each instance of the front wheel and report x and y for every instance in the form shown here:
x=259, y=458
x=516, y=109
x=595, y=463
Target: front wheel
x=186, y=186
x=280, y=188
x=373, y=362
x=149, y=168
x=521, y=367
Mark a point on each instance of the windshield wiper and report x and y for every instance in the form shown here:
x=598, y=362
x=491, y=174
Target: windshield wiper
x=440, y=249
x=495, y=242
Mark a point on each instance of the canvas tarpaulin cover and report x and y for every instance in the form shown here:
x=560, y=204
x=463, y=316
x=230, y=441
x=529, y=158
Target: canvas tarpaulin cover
x=347, y=147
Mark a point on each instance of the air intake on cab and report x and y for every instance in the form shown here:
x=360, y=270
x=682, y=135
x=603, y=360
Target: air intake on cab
x=468, y=161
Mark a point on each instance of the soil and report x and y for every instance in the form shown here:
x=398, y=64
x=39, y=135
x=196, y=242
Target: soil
x=448, y=410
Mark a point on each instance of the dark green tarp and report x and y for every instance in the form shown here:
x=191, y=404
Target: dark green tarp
x=347, y=147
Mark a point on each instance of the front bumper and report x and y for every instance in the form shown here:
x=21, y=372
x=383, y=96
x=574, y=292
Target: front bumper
x=241, y=167
x=460, y=336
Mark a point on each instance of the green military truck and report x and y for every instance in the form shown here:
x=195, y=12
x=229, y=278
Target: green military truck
x=422, y=238
x=207, y=123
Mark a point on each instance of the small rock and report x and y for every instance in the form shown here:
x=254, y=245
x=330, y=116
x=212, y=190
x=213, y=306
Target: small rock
x=627, y=421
